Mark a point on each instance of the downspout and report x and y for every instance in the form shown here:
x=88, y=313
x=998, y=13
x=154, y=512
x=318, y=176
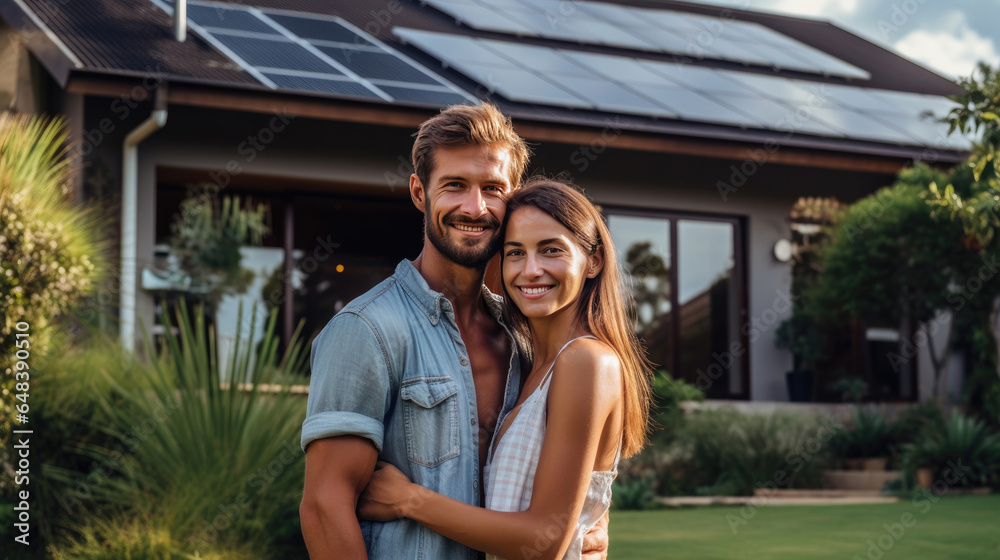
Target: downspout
x=129, y=241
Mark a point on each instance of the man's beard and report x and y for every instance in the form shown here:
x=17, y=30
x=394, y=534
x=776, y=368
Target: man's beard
x=476, y=256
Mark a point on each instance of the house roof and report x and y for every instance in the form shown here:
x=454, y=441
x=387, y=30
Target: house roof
x=113, y=39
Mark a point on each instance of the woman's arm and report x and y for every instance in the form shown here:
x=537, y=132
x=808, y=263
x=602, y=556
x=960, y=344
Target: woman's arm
x=585, y=390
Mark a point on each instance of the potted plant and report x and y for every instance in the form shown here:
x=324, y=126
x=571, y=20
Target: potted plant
x=800, y=336
x=867, y=444
x=963, y=453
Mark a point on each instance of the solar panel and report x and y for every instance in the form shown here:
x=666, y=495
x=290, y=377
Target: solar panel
x=565, y=78
x=613, y=97
x=522, y=85
x=219, y=17
x=694, y=77
x=321, y=84
x=646, y=29
x=481, y=17
x=543, y=60
x=626, y=70
x=377, y=65
x=426, y=96
x=275, y=53
x=318, y=30
x=694, y=106
x=316, y=53
x=451, y=48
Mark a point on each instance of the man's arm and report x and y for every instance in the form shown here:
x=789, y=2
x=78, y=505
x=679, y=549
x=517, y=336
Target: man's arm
x=337, y=470
x=342, y=434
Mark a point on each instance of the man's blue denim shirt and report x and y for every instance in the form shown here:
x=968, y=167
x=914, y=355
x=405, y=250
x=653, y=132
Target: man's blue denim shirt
x=392, y=367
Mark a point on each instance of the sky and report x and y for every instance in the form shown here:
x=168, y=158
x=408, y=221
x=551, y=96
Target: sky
x=947, y=36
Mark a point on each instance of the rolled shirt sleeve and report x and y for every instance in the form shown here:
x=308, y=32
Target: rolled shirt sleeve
x=349, y=387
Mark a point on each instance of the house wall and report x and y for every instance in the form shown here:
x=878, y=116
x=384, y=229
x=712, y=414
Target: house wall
x=374, y=160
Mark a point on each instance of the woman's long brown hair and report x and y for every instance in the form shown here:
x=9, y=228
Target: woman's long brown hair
x=606, y=307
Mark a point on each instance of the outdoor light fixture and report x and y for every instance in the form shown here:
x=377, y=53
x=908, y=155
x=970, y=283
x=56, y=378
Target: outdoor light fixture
x=783, y=250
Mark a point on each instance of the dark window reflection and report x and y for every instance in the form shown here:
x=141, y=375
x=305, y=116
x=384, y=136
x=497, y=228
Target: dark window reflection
x=643, y=246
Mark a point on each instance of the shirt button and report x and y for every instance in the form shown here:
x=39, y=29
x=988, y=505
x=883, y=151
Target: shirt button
x=464, y=361
x=473, y=419
x=475, y=484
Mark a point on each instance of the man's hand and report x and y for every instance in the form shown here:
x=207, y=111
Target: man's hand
x=595, y=542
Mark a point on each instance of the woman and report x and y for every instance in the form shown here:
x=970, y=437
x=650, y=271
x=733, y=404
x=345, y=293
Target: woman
x=584, y=403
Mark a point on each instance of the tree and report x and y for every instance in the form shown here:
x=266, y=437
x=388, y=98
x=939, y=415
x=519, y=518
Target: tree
x=207, y=236
x=972, y=198
x=892, y=259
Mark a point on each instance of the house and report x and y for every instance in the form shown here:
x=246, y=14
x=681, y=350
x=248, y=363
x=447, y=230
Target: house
x=694, y=127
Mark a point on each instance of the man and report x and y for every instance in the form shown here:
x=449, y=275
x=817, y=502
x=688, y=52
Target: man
x=417, y=371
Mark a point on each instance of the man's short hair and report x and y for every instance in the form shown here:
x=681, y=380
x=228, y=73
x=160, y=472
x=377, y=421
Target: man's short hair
x=463, y=125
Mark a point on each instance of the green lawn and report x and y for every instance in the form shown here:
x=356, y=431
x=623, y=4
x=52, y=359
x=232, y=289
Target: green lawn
x=954, y=528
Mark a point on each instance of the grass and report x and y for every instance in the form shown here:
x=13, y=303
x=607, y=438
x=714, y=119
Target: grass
x=954, y=528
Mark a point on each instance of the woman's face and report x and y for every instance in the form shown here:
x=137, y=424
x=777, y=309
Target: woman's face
x=544, y=268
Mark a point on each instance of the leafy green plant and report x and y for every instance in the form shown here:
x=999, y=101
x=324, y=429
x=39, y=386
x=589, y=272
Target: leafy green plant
x=962, y=446
x=725, y=451
x=130, y=538
x=207, y=236
x=634, y=494
x=211, y=462
x=50, y=255
x=800, y=335
x=852, y=389
x=668, y=393
x=870, y=435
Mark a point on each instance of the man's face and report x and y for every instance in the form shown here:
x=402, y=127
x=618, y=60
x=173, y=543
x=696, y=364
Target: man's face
x=465, y=202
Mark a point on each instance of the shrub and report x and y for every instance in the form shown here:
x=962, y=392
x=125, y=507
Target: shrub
x=962, y=442
x=668, y=393
x=49, y=253
x=128, y=538
x=724, y=452
x=210, y=463
x=633, y=494
x=869, y=436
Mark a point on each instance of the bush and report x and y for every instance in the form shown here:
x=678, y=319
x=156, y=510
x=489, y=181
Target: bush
x=724, y=452
x=962, y=442
x=869, y=436
x=212, y=465
x=634, y=494
x=668, y=393
x=127, y=538
x=49, y=253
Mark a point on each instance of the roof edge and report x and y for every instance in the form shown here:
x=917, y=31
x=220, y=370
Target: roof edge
x=53, y=53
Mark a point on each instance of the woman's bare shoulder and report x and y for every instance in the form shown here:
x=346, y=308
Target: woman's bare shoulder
x=589, y=363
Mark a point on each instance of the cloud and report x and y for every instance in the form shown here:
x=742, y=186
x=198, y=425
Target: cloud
x=952, y=47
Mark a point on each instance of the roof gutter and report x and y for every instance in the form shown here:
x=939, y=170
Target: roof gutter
x=129, y=239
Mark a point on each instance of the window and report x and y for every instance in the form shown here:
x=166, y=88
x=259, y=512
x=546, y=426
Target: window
x=691, y=264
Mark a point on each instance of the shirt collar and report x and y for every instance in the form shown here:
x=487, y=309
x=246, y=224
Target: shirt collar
x=432, y=302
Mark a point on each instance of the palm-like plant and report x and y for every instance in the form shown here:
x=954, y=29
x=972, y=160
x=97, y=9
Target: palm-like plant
x=964, y=445
x=210, y=461
x=870, y=436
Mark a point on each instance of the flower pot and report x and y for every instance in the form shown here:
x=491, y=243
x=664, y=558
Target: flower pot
x=800, y=385
x=924, y=477
x=874, y=463
x=854, y=464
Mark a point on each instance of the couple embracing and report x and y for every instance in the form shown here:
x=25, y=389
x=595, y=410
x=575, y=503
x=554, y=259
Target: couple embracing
x=431, y=397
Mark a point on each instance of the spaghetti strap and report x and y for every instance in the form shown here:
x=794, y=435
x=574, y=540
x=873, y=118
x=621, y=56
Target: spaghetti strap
x=552, y=368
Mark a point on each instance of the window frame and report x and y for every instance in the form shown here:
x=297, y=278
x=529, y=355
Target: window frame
x=739, y=224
